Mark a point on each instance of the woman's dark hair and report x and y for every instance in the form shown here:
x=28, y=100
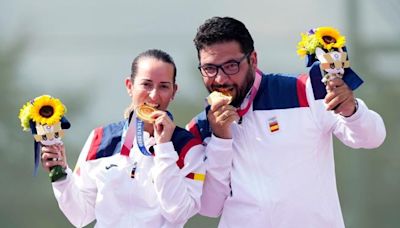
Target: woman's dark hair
x=156, y=54
x=223, y=29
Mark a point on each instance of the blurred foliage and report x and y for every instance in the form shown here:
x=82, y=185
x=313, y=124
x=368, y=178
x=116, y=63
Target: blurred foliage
x=368, y=180
x=27, y=200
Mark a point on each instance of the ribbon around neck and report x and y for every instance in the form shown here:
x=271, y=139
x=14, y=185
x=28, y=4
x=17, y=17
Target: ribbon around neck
x=136, y=128
x=253, y=93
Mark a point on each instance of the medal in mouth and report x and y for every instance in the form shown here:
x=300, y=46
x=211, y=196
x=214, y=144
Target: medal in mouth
x=144, y=112
x=217, y=95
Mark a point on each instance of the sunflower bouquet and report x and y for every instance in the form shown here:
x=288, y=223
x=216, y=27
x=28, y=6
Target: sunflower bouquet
x=327, y=55
x=44, y=116
x=327, y=38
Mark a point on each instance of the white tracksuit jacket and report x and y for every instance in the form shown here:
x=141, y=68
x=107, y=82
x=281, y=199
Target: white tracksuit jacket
x=160, y=194
x=278, y=170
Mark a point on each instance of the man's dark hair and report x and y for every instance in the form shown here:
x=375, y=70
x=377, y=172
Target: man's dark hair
x=153, y=53
x=223, y=29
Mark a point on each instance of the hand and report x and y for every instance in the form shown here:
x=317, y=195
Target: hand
x=340, y=98
x=220, y=117
x=53, y=155
x=163, y=127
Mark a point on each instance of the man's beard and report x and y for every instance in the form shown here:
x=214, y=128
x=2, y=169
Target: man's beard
x=241, y=92
x=244, y=89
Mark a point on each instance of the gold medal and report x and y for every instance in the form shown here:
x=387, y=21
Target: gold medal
x=144, y=112
x=216, y=96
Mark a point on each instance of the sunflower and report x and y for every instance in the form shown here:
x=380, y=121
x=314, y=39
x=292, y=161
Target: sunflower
x=330, y=38
x=47, y=110
x=25, y=115
x=323, y=37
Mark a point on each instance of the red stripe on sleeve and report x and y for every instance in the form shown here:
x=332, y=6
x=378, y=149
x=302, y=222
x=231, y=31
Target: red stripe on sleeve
x=192, y=127
x=301, y=90
x=190, y=175
x=97, y=136
x=181, y=161
x=125, y=151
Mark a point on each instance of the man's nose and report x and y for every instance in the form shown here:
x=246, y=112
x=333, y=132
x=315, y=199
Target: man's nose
x=221, y=77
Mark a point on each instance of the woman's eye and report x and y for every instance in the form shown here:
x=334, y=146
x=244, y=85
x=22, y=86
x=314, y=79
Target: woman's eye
x=146, y=85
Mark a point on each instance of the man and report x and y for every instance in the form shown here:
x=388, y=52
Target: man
x=269, y=152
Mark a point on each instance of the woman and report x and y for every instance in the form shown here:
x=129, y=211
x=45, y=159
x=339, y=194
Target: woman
x=157, y=183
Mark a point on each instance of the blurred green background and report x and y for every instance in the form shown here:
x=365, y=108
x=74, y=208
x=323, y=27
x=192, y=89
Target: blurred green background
x=80, y=52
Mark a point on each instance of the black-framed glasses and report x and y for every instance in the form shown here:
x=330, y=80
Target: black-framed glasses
x=229, y=68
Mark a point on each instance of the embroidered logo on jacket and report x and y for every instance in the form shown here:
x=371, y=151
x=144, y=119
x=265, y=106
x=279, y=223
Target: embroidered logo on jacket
x=273, y=124
x=110, y=166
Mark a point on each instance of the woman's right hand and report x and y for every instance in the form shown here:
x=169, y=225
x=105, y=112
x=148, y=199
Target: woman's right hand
x=53, y=155
x=163, y=126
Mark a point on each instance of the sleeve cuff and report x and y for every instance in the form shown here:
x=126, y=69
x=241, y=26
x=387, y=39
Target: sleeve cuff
x=219, y=148
x=220, y=142
x=165, y=150
x=60, y=183
x=360, y=109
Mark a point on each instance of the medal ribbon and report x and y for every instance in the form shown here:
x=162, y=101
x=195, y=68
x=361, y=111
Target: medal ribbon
x=130, y=133
x=139, y=137
x=136, y=126
x=253, y=93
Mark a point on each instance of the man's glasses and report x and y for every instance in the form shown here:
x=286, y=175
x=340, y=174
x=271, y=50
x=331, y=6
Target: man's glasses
x=229, y=68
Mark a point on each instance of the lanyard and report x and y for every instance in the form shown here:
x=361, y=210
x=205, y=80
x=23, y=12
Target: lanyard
x=136, y=127
x=130, y=133
x=139, y=137
x=253, y=93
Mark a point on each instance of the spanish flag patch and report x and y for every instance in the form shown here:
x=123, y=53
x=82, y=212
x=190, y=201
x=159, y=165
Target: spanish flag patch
x=273, y=125
x=196, y=176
